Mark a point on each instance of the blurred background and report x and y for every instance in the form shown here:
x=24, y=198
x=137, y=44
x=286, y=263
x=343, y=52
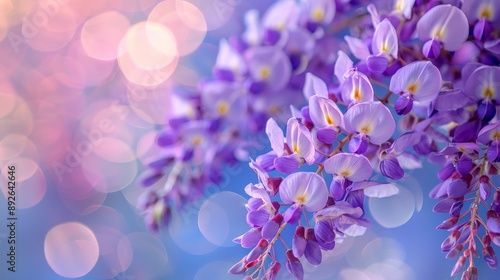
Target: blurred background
x=83, y=90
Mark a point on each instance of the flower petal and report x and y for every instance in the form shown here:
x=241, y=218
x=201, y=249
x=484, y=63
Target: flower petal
x=305, y=188
x=354, y=167
x=385, y=40
x=276, y=136
x=314, y=86
x=421, y=79
x=372, y=119
x=446, y=23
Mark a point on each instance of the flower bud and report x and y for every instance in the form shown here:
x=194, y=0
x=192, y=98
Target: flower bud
x=459, y=265
x=299, y=242
x=294, y=266
x=258, y=250
x=312, y=252
x=490, y=257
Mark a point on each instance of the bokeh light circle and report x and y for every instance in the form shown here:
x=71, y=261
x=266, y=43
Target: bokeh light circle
x=393, y=211
x=222, y=218
x=102, y=34
x=186, y=22
x=148, y=255
x=185, y=232
x=71, y=249
x=216, y=270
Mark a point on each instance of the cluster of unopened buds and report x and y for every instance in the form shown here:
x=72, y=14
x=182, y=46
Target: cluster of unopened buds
x=435, y=64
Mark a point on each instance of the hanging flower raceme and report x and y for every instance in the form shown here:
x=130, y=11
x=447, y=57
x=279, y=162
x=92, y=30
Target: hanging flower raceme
x=444, y=87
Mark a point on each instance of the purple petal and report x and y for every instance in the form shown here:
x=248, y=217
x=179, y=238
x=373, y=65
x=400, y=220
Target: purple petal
x=464, y=165
x=403, y=104
x=337, y=188
x=374, y=189
x=377, y=63
x=166, y=139
x=431, y=48
x=457, y=188
x=372, y=119
x=229, y=60
x=358, y=48
x=354, y=167
x=257, y=218
x=493, y=152
x=269, y=65
x=327, y=135
x=390, y=168
x=482, y=30
x=466, y=132
x=276, y=136
x=493, y=222
x=337, y=210
x=314, y=86
x=448, y=223
x=324, y=232
x=486, y=110
x=257, y=251
x=299, y=242
x=443, y=206
x=421, y=79
x=455, y=252
x=356, y=88
x=452, y=100
x=404, y=142
x=446, y=23
x=149, y=178
x=489, y=133
x=304, y=188
x=270, y=229
x=493, y=46
x=450, y=241
x=299, y=139
x=292, y=214
x=324, y=112
x=342, y=65
x=484, y=83
x=459, y=265
x=286, y=164
x=239, y=267
x=456, y=208
x=358, y=144
x=385, y=40
x=294, y=266
x=484, y=187
x=250, y=238
x=312, y=252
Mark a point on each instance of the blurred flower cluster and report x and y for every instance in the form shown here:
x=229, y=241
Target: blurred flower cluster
x=432, y=64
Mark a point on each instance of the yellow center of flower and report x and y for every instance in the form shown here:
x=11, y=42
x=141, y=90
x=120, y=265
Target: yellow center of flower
x=329, y=120
x=438, y=32
x=345, y=173
x=300, y=199
x=265, y=72
x=197, y=140
x=357, y=94
x=399, y=6
x=486, y=12
x=412, y=88
x=495, y=135
x=223, y=107
x=488, y=92
x=366, y=129
x=296, y=148
x=318, y=14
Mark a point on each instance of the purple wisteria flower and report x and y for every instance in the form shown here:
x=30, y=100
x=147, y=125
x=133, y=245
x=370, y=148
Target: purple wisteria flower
x=343, y=68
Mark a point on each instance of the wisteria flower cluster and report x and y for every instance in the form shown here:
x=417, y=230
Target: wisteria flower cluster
x=433, y=63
